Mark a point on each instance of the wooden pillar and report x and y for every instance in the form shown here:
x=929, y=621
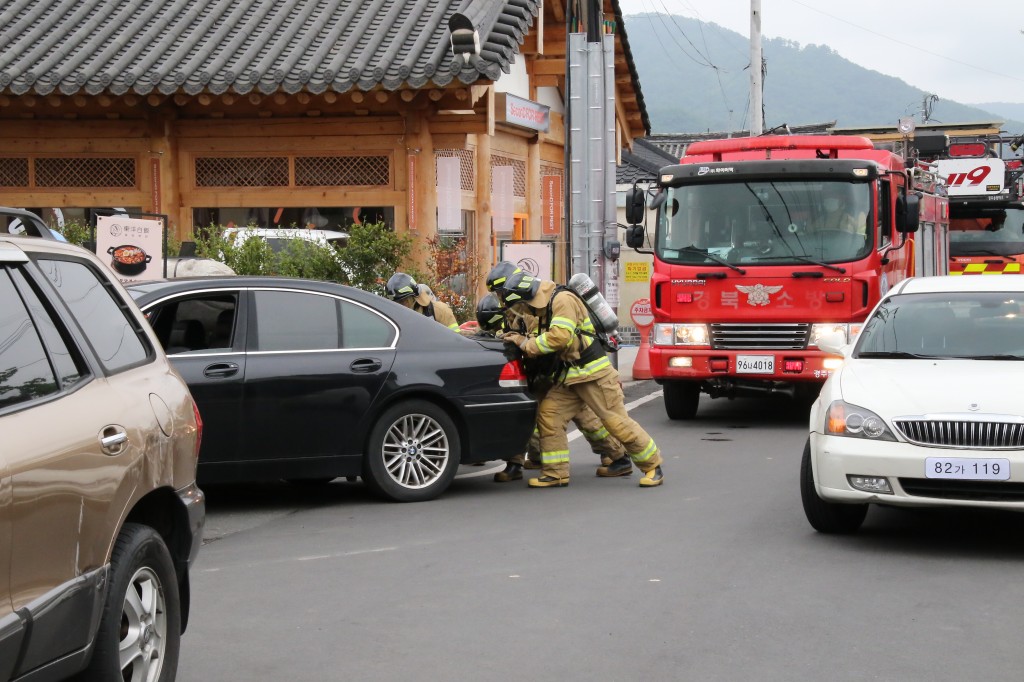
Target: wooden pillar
x=161, y=173
x=485, y=254
x=533, y=189
x=426, y=195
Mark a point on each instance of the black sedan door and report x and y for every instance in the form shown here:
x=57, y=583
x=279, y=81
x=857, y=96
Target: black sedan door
x=315, y=364
x=204, y=336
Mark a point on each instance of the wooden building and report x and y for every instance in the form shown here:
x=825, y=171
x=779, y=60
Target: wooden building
x=293, y=112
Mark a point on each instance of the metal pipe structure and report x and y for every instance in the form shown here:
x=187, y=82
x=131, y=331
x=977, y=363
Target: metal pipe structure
x=756, y=125
x=578, y=152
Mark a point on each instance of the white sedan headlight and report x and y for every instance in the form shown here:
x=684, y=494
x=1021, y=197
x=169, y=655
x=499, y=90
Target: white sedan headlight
x=680, y=335
x=844, y=419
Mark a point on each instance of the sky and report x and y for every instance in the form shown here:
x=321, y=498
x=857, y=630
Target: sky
x=969, y=51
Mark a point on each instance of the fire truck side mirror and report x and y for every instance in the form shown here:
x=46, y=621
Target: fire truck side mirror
x=635, y=206
x=908, y=213
x=635, y=236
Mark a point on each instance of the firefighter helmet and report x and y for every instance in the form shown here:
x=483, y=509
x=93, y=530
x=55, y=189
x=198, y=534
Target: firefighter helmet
x=519, y=286
x=488, y=313
x=499, y=273
x=401, y=286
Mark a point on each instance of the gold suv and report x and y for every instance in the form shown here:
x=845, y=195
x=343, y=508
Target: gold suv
x=100, y=516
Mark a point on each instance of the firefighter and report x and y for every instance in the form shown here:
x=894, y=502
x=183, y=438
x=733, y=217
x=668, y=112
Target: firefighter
x=838, y=214
x=614, y=462
x=402, y=288
x=580, y=374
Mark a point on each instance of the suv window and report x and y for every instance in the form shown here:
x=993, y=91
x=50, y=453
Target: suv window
x=25, y=372
x=113, y=334
x=69, y=366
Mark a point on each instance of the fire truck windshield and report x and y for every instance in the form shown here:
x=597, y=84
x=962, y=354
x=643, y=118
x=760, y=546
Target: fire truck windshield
x=765, y=223
x=987, y=233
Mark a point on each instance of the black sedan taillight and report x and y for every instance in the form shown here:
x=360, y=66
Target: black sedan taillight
x=512, y=375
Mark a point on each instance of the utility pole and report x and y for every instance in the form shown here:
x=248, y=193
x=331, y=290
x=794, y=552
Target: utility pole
x=756, y=105
x=590, y=153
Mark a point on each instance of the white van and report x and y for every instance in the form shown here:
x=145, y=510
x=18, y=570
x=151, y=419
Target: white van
x=278, y=238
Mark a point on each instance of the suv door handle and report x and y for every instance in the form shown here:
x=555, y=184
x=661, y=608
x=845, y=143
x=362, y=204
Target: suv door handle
x=221, y=369
x=364, y=365
x=112, y=440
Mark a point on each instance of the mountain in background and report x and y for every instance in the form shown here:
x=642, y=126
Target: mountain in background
x=694, y=79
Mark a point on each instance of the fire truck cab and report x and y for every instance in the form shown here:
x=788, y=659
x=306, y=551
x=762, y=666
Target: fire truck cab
x=763, y=245
x=986, y=227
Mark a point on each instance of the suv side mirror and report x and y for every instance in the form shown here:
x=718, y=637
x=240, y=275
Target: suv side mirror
x=908, y=213
x=635, y=206
x=635, y=236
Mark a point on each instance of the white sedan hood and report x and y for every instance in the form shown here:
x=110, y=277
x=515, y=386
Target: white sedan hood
x=893, y=388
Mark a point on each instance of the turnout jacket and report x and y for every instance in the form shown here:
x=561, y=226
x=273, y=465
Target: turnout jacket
x=426, y=305
x=566, y=335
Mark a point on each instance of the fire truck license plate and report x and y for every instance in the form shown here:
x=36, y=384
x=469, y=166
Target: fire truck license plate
x=755, y=364
x=968, y=469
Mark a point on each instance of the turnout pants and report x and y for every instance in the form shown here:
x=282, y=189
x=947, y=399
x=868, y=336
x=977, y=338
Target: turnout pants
x=601, y=441
x=603, y=395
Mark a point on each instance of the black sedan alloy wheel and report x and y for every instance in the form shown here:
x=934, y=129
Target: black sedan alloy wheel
x=413, y=453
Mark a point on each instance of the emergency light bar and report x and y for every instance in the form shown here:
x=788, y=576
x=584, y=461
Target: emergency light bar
x=831, y=143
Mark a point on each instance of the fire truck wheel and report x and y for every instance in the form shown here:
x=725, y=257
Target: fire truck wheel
x=826, y=517
x=681, y=399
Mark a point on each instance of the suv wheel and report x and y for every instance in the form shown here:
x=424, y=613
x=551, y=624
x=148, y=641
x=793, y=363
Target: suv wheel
x=140, y=629
x=413, y=453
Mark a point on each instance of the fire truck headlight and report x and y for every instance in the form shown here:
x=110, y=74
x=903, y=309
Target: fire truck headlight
x=826, y=328
x=680, y=335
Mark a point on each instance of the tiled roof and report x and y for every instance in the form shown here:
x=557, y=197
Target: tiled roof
x=216, y=46
x=644, y=162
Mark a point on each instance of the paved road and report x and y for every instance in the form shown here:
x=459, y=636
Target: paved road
x=714, y=576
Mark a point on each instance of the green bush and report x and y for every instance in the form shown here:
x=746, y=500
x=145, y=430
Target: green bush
x=373, y=254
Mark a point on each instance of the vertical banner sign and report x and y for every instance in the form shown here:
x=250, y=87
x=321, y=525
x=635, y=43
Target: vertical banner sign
x=551, y=198
x=501, y=199
x=449, y=195
x=413, y=220
x=135, y=246
x=155, y=165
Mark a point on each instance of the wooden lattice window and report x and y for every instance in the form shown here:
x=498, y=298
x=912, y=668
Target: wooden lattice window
x=467, y=166
x=242, y=171
x=85, y=172
x=518, y=173
x=13, y=172
x=342, y=171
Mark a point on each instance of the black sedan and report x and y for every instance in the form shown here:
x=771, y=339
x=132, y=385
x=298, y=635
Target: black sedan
x=308, y=381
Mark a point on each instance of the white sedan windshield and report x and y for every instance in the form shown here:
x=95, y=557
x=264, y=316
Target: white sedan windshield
x=984, y=325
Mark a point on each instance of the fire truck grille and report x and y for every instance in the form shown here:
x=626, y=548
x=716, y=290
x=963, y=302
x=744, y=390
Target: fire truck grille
x=759, y=336
x=969, y=435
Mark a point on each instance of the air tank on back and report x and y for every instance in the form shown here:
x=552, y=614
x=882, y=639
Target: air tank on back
x=588, y=291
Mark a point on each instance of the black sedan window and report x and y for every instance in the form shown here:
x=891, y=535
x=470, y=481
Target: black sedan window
x=363, y=328
x=290, y=320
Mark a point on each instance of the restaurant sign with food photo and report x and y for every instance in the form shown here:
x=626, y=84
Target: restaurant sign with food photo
x=134, y=245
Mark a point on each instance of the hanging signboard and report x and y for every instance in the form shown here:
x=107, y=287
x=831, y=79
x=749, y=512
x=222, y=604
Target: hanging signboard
x=449, y=195
x=551, y=200
x=135, y=246
x=502, y=205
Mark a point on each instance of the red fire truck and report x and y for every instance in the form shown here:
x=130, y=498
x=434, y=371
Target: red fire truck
x=764, y=244
x=986, y=215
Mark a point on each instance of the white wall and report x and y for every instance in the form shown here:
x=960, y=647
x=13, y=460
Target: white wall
x=516, y=82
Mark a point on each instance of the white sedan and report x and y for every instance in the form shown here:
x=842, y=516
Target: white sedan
x=927, y=408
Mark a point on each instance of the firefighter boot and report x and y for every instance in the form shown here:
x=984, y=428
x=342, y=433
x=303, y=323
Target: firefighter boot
x=512, y=472
x=549, y=482
x=620, y=467
x=652, y=478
